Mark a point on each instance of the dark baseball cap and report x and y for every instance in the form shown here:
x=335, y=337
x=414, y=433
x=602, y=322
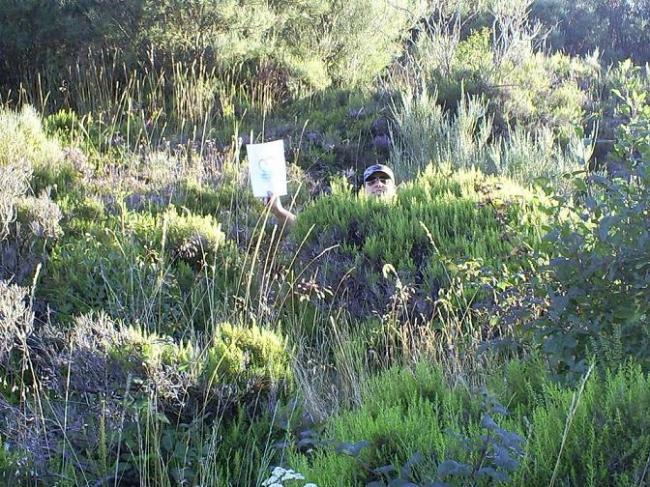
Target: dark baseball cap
x=378, y=168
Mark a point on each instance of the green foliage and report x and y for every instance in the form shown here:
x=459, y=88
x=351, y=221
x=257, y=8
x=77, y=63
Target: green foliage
x=201, y=426
x=540, y=90
x=387, y=432
x=65, y=125
x=177, y=385
x=597, y=280
x=99, y=269
x=455, y=69
x=227, y=452
x=632, y=146
x=246, y=354
x=598, y=274
x=192, y=238
x=434, y=223
x=41, y=35
x=138, y=266
x=429, y=135
x=523, y=87
x=23, y=140
x=619, y=30
x=28, y=224
x=286, y=47
x=607, y=436
x=13, y=464
x=533, y=130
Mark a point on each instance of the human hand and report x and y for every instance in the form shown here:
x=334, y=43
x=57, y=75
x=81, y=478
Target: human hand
x=274, y=205
x=272, y=202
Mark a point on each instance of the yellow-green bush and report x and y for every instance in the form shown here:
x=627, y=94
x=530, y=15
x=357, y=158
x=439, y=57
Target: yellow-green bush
x=247, y=354
x=23, y=140
x=244, y=357
x=193, y=238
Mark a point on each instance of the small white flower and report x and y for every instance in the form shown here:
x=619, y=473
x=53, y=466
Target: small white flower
x=291, y=475
x=278, y=471
x=272, y=480
x=311, y=485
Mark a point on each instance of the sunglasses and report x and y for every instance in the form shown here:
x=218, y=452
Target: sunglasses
x=372, y=180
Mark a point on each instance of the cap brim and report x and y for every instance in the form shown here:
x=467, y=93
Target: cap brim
x=377, y=172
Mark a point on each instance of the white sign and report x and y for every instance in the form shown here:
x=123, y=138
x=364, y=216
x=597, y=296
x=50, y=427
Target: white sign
x=267, y=168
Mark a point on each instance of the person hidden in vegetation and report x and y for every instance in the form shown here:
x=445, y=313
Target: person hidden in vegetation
x=378, y=181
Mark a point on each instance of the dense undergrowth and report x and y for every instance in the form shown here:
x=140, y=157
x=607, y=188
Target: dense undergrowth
x=487, y=325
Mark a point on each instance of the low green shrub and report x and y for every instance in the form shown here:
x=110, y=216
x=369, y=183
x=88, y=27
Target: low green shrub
x=23, y=140
x=98, y=270
x=413, y=426
x=148, y=404
x=192, y=238
x=241, y=368
x=117, y=263
x=247, y=354
x=434, y=224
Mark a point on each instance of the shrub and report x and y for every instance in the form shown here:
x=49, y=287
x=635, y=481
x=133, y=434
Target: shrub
x=239, y=370
x=435, y=223
x=28, y=224
x=286, y=48
x=23, y=140
x=142, y=392
x=597, y=279
x=164, y=271
x=429, y=135
x=426, y=133
x=385, y=435
x=112, y=265
x=247, y=354
x=528, y=156
x=16, y=318
x=522, y=87
x=194, y=239
x=596, y=282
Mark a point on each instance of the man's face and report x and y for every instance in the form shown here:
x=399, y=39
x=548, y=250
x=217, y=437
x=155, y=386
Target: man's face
x=380, y=185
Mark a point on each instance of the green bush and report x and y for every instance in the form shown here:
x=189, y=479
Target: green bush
x=285, y=47
x=435, y=223
x=597, y=279
x=241, y=354
x=413, y=426
x=194, y=239
x=161, y=270
x=101, y=269
x=23, y=140
x=523, y=87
